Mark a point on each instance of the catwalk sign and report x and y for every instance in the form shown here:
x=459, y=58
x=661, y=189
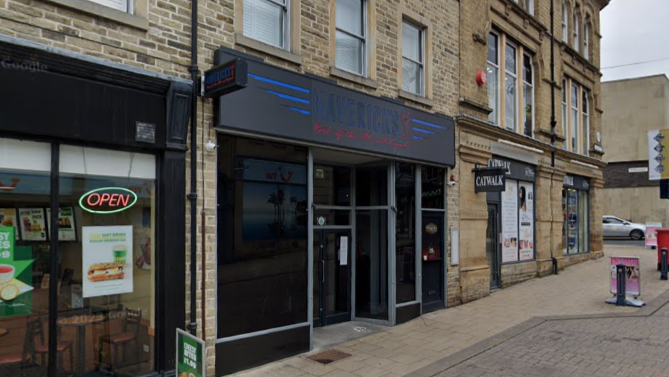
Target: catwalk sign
x=489, y=179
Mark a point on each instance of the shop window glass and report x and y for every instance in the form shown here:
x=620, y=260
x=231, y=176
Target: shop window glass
x=332, y=185
x=262, y=236
x=432, y=187
x=25, y=259
x=432, y=255
x=572, y=221
x=371, y=186
x=405, y=235
x=584, y=239
x=371, y=266
x=106, y=296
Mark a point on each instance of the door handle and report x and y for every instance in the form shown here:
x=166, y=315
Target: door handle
x=323, y=275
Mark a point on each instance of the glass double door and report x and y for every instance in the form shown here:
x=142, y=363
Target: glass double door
x=332, y=276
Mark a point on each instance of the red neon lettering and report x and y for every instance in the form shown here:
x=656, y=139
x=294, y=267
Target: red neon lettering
x=90, y=203
x=123, y=199
x=113, y=201
x=104, y=198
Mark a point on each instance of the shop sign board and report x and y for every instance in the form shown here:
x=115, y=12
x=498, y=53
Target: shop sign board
x=311, y=110
x=226, y=78
x=190, y=355
x=576, y=182
x=514, y=169
x=105, y=254
x=658, y=154
x=632, y=273
x=489, y=179
x=15, y=276
x=108, y=200
x=651, y=233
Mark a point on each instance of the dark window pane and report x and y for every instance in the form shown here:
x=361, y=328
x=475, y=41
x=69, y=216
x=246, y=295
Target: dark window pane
x=371, y=253
x=492, y=48
x=405, y=236
x=527, y=69
x=332, y=217
x=371, y=186
x=332, y=185
x=432, y=255
x=262, y=236
x=433, y=187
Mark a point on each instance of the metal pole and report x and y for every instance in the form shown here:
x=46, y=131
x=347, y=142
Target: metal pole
x=621, y=295
x=663, y=257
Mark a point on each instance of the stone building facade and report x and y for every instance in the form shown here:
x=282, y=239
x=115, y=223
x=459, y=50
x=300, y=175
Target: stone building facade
x=632, y=107
x=507, y=122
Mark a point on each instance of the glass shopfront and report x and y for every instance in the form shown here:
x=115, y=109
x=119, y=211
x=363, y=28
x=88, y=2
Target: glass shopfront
x=576, y=209
x=104, y=297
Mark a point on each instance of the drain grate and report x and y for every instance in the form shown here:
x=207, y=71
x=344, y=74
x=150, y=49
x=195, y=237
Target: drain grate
x=329, y=356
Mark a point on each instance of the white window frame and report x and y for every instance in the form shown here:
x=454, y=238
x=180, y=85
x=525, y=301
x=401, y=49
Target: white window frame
x=531, y=85
x=497, y=66
x=421, y=64
x=285, y=29
x=529, y=6
x=565, y=23
x=586, y=120
x=565, y=113
x=514, y=74
x=575, y=129
x=363, y=38
x=128, y=5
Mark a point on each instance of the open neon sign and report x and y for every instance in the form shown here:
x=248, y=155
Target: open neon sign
x=107, y=200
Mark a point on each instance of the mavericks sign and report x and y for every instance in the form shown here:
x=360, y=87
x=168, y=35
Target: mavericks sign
x=489, y=179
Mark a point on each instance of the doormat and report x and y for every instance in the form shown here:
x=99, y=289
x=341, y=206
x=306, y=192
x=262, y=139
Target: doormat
x=329, y=356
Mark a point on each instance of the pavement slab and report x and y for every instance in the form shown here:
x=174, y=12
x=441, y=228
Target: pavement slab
x=557, y=325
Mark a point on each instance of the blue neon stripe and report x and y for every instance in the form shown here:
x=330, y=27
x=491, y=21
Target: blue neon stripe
x=418, y=137
x=305, y=112
x=286, y=96
x=427, y=124
x=422, y=130
x=279, y=83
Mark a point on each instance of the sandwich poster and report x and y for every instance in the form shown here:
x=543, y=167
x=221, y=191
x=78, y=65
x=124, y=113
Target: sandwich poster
x=66, y=228
x=33, y=225
x=106, y=260
x=15, y=276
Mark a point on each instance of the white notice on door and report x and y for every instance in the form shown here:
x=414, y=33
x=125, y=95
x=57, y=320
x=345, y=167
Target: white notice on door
x=343, y=250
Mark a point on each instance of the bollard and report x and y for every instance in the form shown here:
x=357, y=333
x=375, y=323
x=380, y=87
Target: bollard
x=621, y=295
x=663, y=257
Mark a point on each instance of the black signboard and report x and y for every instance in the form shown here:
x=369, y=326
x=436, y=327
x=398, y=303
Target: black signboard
x=514, y=169
x=226, y=78
x=312, y=110
x=575, y=182
x=489, y=179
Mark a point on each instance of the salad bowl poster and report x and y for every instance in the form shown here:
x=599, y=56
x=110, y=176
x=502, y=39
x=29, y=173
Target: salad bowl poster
x=15, y=276
x=107, y=260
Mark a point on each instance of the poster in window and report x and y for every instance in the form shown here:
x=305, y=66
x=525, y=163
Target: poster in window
x=526, y=216
x=8, y=219
x=107, y=260
x=33, y=225
x=510, y=222
x=66, y=229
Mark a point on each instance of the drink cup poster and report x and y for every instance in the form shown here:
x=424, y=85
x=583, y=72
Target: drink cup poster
x=632, y=275
x=190, y=355
x=15, y=276
x=107, y=260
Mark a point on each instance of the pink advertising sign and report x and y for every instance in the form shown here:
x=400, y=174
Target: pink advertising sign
x=632, y=272
x=651, y=233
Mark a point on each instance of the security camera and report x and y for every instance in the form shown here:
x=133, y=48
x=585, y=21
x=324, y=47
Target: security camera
x=210, y=146
x=452, y=183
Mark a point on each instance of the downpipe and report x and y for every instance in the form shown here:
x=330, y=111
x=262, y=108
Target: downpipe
x=192, y=197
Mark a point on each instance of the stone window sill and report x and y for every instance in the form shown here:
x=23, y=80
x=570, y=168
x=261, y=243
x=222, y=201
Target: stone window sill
x=415, y=98
x=280, y=53
x=336, y=72
x=105, y=12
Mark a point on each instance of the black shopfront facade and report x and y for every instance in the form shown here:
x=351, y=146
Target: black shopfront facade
x=101, y=288
x=331, y=208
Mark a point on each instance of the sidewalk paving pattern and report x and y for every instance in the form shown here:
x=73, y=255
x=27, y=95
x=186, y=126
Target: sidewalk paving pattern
x=507, y=327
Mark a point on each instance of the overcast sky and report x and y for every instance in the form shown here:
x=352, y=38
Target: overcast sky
x=635, y=31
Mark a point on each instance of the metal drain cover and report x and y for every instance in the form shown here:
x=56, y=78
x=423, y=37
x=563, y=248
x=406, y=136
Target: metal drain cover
x=329, y=356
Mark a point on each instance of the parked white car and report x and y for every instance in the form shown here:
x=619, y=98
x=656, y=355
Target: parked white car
x=617, y=227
